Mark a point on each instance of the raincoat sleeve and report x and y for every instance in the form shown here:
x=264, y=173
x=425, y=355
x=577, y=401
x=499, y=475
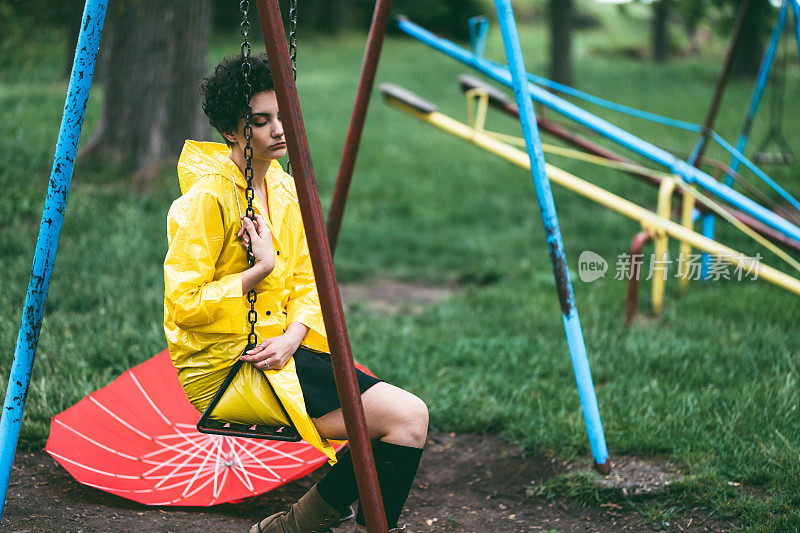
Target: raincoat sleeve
x=194, y=298
x=303, y=303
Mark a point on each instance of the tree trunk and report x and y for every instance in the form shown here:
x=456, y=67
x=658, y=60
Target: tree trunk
x=752, y=41
x=661, y=43
x=561, y=41
x=155, y=58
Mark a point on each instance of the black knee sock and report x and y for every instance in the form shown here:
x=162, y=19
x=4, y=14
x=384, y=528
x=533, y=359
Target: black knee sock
x=396, y=465
x=338, y=488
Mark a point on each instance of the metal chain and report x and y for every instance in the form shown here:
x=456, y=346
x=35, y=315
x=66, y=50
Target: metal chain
x=244, y=7
x=293, y=36
x=292, y=50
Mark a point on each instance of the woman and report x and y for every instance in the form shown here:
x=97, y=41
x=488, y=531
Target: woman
x=207, y=277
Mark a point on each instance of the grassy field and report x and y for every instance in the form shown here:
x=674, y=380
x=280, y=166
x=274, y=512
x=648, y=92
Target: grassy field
x=711, y=384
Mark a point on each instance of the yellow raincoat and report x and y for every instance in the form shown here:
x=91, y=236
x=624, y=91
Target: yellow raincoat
x=205, y=312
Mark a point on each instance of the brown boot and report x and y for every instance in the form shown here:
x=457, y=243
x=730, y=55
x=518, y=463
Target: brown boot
x=363, y=529
x=311, y=514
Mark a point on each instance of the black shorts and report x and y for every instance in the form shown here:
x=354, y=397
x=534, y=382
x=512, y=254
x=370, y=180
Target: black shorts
x=315, y=373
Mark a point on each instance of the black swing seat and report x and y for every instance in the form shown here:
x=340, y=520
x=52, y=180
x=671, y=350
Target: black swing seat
x=211, y=426
x=231, y=429
x=783, y=156
x=773, y=158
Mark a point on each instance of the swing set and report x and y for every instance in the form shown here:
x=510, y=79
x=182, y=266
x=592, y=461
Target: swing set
x=320, y=249
x=740, y=209
x=480, y=95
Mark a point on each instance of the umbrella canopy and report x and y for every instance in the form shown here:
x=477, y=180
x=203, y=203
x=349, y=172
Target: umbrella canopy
x=136, y=438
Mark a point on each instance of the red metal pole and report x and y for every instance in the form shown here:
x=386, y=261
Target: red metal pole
x=634, y=271
x=269, y=15
x=377, y=31
x=722, y=81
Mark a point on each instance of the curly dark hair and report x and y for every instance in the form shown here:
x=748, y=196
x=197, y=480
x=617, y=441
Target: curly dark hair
x=222, y=92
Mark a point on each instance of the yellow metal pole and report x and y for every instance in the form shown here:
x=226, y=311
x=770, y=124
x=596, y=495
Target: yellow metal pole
x=687, y=206
x=658, y=268
x=476, y=112
x=605, y=198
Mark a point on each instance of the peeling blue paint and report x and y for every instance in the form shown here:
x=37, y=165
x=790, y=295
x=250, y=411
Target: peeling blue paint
x=555, y=245
x=49, y=232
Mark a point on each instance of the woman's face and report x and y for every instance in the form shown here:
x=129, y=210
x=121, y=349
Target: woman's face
x=268, y=142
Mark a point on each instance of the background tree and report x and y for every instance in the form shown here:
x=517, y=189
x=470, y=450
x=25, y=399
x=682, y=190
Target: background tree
x=761, y=16
x=561, y=19
x=755, y=31
x=662, y=10
x=154, y=54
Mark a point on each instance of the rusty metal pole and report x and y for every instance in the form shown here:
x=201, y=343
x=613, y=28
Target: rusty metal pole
x=344, y=372
x=377, y=31
x=634, y=270
x=722, y=81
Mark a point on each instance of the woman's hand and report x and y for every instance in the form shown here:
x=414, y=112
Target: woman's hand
x=257, y=233
x=274, y=353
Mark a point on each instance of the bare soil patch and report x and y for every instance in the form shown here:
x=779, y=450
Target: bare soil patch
x=390, y=297
x=634, y=476
x=466, y=483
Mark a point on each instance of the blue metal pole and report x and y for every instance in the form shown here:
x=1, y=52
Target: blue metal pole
x=544, y=196
x=687, y=172
x=758, y=90
x=478, y=30
x=741, y=142
x=49, y=231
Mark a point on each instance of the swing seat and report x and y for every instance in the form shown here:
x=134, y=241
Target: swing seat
x=773, y=158
x=781, y=155
x=213, y=425
x=232, y=429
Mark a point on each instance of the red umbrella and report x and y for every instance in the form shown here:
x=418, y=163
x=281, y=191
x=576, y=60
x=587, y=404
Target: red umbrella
x=136, y=438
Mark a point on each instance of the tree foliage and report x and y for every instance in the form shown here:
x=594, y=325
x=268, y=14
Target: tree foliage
x=760, y=18
x=445, y=17
x=755, y=31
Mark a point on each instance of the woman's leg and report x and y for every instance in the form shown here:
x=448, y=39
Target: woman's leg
x=397, y=422
x=392, y=414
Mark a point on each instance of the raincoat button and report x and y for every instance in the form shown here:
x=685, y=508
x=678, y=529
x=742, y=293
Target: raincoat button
x=278, y=252
x=269, y=312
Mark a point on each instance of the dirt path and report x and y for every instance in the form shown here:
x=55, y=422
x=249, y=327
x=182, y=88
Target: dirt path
x=466, y=483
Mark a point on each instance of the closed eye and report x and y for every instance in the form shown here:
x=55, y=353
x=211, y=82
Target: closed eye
x=261, y=119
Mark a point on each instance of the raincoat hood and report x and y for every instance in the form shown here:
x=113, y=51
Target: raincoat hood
x=200, y=159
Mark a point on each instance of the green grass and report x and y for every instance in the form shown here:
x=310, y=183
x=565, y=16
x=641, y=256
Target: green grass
x=712, y=383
